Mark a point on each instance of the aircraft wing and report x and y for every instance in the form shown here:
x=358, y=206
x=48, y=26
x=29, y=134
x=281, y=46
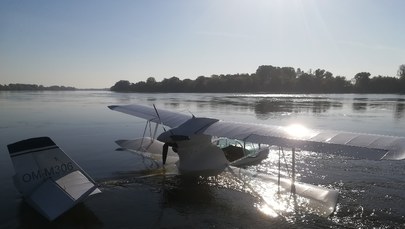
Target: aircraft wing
x=161, y=116
x=357, y=145
x=363, y=146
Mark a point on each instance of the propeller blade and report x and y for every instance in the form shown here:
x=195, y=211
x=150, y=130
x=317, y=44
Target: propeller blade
x=164, y=152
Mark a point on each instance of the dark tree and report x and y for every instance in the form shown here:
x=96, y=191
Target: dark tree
x=122, y=85
x=401, y=72
x=362, y=80
x=384, y=84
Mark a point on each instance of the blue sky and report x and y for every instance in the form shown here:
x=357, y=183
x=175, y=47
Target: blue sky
x=93, y=44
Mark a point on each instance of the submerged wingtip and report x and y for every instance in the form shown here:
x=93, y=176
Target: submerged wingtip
x=112, y=107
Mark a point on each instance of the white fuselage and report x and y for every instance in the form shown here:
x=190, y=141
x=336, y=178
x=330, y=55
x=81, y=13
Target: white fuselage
x=198, y=156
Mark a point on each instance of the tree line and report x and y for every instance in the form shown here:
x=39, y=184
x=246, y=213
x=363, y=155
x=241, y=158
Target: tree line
x=271, y=79
x=33, y=87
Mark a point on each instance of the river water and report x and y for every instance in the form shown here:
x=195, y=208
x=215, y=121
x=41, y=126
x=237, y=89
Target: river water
x=371, y=193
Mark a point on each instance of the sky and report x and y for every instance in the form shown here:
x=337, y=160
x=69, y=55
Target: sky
x=94, y=44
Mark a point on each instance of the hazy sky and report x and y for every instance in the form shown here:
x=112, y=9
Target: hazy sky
x=93, y=44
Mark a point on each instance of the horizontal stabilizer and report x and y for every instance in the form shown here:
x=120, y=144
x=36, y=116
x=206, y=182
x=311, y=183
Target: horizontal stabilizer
x=49, y=180
x=53, y=198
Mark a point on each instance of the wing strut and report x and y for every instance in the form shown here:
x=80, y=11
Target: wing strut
x=281, y=150
x=279, y=170
x=144, y=132
x=160, y=120
x=154, y=133
x=165, y=146
x=293, y=172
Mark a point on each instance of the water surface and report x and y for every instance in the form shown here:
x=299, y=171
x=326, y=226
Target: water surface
x=371, y=192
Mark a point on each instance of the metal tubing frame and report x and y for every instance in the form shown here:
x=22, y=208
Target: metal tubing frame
x=293, y=171
x=279, y=169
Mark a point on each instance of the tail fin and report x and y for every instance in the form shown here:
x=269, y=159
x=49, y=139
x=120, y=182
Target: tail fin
x=48, y=179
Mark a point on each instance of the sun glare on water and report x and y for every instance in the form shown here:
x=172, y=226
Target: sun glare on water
x=298, y=131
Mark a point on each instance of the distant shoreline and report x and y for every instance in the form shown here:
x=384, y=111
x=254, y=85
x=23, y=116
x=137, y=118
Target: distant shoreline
x=274, y=80
x=35, y=87
x=255, y=93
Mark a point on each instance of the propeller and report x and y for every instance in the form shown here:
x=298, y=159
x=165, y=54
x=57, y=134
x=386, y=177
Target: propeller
x=167, y=137
x=170, y=139
x=166, y=149
x=164, y=152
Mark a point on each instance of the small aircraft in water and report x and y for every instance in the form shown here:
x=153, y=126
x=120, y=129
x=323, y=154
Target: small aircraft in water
x=207, y=146
x=52, y=183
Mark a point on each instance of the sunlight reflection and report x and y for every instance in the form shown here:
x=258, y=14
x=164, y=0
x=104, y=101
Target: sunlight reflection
x=277, y=199
x=274, y=196
x=267, y=210
x=299, y=131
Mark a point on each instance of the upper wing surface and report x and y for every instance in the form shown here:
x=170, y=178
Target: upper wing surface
x=165, y=117
x=367, y=146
